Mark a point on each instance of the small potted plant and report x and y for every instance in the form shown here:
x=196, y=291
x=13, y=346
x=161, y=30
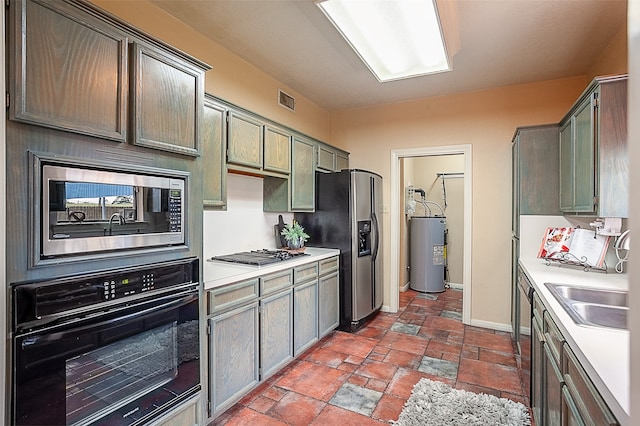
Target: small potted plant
x=294, y=235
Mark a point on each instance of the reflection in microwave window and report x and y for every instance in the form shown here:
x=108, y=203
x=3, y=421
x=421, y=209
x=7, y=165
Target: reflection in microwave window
x=81, y=210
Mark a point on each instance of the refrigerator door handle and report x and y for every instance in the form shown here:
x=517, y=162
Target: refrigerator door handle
x=375, y=226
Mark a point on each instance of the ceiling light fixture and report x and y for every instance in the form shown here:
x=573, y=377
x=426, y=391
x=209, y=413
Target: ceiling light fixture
x=396, y=39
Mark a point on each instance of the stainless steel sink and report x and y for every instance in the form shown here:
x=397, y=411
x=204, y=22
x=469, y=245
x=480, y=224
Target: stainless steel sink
x=592, y=306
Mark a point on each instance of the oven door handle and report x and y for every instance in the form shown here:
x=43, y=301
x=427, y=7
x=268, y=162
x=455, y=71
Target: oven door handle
x=50, y=335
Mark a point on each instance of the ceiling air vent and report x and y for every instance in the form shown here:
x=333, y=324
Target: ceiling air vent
x=286, y=101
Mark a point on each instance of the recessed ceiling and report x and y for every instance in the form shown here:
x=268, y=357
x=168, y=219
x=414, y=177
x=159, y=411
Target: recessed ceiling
x=502, y=42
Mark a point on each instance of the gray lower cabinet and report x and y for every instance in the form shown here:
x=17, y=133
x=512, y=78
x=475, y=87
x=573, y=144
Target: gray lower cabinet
x=570, y=412
x=258, y=326
x=553, y=387
x=233, y=355
x=233, y=328
x=561, y=391
x=276, y=322
x=588, y=406
x=328, y=296
x=305, y=307
x=276, y=332
x=305, y=316
x=537, y=362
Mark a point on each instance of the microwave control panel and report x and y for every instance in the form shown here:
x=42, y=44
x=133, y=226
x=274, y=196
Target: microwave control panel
x=175, y=210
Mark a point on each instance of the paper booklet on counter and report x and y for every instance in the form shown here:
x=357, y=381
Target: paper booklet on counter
x=574, y=246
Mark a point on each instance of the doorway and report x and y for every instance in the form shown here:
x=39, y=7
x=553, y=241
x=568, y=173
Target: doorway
x=397, y=215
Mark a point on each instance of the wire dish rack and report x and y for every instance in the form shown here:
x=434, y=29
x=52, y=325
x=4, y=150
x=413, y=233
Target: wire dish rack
x=569, y=259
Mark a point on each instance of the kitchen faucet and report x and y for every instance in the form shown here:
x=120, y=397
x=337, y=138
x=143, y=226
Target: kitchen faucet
x=121, y=221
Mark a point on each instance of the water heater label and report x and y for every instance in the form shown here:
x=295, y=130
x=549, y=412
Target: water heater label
x=438, y=254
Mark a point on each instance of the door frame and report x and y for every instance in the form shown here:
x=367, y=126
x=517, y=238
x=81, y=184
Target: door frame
x=396, y=214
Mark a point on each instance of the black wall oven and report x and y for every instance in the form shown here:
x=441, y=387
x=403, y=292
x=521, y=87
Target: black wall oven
x=113, y=348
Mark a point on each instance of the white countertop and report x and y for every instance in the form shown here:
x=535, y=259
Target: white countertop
x=603, y=352
x=217, y=273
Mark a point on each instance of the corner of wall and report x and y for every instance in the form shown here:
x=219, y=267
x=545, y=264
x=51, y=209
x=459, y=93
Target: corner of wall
x=614, y=58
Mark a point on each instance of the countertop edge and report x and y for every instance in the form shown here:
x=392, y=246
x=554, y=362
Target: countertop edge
x=608, y=369
x=218, y=274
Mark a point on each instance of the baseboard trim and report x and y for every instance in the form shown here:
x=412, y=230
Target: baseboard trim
x=491, y=325
x=457, y=286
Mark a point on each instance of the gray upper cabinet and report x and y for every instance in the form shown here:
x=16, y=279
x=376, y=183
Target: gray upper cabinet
x=342, y=162
x=245, y=140
x=277, y=150
x=77, y=76
x=594, y=166
x=302, y=175
x=86, y=69
x=566, y=166
x=330, y=159
x=168, y=100
x=535, y=172
x=254, y=144
x=214, y=137
x=325, y=159
x=286, y=159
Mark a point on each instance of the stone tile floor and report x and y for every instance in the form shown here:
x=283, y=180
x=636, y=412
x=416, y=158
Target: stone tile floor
x=365, y=378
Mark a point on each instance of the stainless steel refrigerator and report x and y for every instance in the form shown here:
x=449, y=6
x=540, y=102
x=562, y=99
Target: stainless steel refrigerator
x=348, y=216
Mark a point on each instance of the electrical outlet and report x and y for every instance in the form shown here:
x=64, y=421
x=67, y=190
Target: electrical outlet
x=385, y=209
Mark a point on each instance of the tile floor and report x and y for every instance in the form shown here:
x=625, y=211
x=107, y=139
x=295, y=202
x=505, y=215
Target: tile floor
x=365, y=378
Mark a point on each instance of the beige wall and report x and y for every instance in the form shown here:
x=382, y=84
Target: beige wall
x=231, y=78
x=486, y=120
x=613, y=59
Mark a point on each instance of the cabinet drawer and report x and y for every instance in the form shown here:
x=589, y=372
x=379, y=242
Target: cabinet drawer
x=587, y=399
x=227, y=297
x=328, y=265
x=305, y=273
x=553, y=337
x=274, y=282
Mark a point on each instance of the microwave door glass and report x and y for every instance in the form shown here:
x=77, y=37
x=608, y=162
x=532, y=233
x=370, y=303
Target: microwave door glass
x=83, y=210
x=88, y=211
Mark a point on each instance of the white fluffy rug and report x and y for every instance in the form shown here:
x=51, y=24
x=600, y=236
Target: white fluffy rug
x=434, y=403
